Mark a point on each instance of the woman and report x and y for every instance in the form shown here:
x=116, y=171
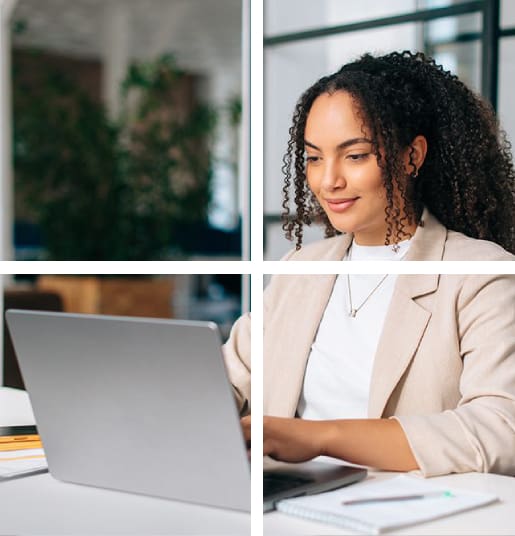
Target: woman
x=430, y=386
x=390, y=144
x=395, y=372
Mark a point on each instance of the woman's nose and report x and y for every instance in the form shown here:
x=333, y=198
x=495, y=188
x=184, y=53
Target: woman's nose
x=333, y=177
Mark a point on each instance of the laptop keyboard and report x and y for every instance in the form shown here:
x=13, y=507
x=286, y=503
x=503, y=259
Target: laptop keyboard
x=274, y=483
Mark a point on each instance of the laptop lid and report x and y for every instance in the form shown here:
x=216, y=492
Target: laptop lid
x=288, y=480
x=133, y=404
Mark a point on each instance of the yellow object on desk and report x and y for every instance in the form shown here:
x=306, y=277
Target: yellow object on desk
x=20, y=442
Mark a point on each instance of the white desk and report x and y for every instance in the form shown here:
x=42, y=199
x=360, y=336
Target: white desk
x=40, y=504
x=497, y=518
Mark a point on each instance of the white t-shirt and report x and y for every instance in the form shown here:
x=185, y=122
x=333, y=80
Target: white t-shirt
x=337, y=379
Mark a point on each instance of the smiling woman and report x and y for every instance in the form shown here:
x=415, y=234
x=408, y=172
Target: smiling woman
x=400, y=161
x=343, y=172
x=387, y=144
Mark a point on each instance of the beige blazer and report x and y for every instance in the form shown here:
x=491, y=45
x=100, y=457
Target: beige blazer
x=445, y=362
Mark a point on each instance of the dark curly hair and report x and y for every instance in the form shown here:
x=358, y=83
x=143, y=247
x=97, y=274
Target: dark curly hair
x=467, y=180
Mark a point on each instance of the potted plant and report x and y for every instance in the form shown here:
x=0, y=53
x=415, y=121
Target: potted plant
x=105, y=190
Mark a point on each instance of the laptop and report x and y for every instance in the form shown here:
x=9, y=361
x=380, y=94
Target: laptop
x=134, y=404
x=288, y=480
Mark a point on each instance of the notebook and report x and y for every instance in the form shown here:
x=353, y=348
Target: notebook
x=371, y=517
x=134, y=404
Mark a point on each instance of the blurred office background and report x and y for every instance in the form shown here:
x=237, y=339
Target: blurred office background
x=216, y=298
x=305, y=40
x=127, y=129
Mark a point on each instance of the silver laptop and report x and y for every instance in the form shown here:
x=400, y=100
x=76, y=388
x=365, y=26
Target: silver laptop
x=287, y=480
x=133, y=404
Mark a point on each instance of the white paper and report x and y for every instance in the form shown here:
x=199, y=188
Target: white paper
x=18, y=462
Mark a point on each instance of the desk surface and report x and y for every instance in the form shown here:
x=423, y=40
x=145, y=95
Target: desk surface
x=40, y=504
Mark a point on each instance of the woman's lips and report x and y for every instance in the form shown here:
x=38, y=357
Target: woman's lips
x=341, y=205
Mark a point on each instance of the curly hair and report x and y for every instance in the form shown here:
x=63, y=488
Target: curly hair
x=467, y=179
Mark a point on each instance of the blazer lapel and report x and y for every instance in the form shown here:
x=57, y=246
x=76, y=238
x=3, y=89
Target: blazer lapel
x=398, y=345
x=403, y=329
x=315, y=293
x=338, y=251
x=289, y=338
x=428, y=242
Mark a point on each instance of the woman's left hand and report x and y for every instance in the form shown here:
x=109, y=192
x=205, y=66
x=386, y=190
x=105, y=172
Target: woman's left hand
x=292, y=440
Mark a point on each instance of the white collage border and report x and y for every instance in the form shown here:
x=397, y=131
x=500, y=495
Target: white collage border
x=256, y=268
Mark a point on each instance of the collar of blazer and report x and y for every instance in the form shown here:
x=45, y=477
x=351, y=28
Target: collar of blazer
x=427, y=244
x=410, y=310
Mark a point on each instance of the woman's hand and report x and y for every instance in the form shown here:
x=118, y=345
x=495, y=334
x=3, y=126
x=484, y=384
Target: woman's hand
x=292, y=440
x=379, y=443
x=245, y=426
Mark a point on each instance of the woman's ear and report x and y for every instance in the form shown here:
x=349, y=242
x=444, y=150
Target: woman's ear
x=415, y=155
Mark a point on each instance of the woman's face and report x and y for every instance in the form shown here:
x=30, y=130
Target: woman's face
x=342, y=170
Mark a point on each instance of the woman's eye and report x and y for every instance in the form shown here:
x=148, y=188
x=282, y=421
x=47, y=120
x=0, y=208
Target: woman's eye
x=312, y=159
x=361, y=156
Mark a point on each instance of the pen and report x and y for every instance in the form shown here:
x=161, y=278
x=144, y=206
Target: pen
x=398, y=498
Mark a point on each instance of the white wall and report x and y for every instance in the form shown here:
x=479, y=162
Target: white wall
x=6, y=186
x=6, y=6
x=507, y=71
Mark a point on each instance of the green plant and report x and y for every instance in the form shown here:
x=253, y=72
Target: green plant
x=166, y=153
x=104, y=190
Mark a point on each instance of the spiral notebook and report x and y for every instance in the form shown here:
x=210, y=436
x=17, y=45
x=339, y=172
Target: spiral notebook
x=377, y=507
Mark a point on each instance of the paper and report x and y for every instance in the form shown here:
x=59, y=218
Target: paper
x=19, y=462
x=378, y=517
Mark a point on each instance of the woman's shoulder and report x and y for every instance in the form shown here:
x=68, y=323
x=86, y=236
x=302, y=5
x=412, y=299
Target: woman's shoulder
x=328, y=249
x=460, y=247
x=433, y=242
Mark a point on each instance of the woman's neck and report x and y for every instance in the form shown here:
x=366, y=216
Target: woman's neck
x=379, y=239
